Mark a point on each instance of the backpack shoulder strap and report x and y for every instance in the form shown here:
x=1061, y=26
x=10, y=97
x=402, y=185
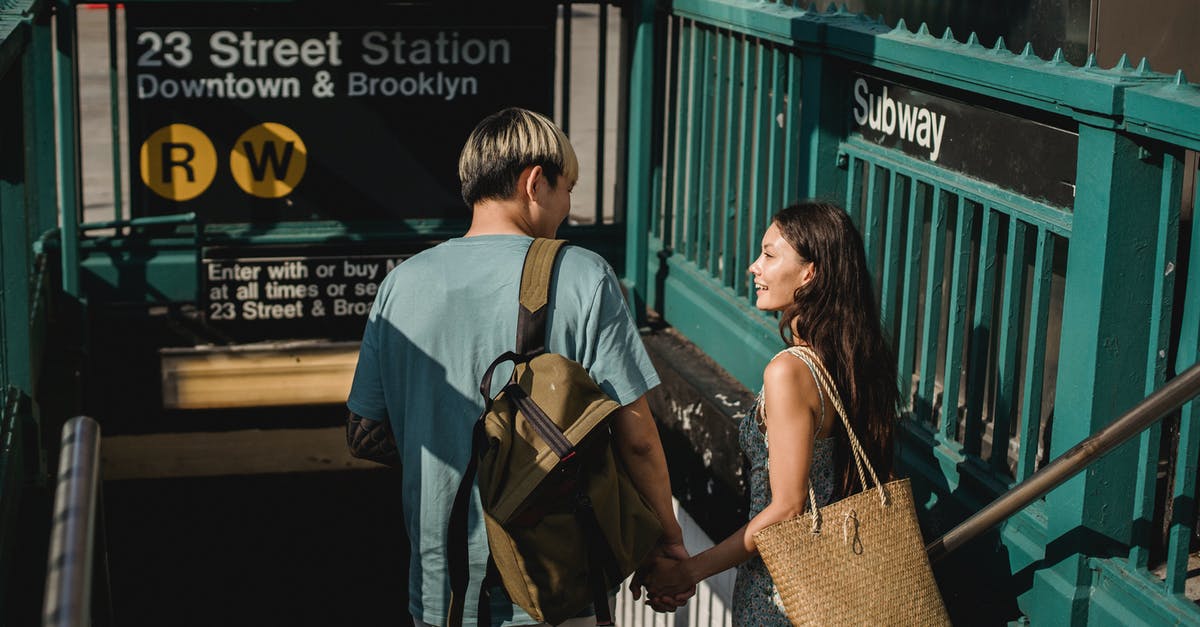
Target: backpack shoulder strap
x=535, y=294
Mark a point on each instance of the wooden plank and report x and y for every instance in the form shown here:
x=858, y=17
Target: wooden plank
x=299, y=376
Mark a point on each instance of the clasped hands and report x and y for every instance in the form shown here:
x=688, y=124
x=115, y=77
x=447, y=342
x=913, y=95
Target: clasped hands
x=667, y=583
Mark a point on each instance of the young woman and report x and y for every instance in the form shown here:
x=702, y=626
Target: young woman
x=813, y=271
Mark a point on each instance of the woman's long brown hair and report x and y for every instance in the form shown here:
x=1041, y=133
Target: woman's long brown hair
x=836, y=314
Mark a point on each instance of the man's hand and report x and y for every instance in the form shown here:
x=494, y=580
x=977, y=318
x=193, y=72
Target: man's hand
x=666, y=556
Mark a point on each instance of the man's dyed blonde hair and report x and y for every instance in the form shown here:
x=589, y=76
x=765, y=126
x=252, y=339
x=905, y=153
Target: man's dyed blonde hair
x=504, y=144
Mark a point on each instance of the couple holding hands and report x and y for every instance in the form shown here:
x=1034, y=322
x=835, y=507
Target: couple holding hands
x=442, y=315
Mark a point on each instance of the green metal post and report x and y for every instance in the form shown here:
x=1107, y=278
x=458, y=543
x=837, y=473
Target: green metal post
x=1108, y=298
x=822, y=120
x=14, y=243
x=641, y=159
x=67, y=79
x=42, y=189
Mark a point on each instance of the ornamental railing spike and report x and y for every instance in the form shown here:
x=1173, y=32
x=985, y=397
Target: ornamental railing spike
x=1058, y=58
x=973, y=40
x=902, y=25
x=1123, y=64
x=1001, y=45
x=1143, y=66
x=948, y=35
x=832, y=8
x=923, y=30
x=1180, y=79
x=1027, y=51
x=1091, y=61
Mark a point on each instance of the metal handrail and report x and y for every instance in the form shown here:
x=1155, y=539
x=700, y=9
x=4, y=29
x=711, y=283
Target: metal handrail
x=1167, y=399
x=72, y=541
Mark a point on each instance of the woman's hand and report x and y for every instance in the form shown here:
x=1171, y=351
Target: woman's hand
x=671, y=582
x=667, y=555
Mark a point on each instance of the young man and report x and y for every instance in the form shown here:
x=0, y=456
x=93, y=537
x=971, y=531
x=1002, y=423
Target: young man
x=442, y=316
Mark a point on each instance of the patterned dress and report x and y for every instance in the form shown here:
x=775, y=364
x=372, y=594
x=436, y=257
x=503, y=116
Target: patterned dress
x=755, y=601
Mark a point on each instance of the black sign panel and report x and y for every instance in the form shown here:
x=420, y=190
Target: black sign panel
x=1024, y=156
x=299, y=111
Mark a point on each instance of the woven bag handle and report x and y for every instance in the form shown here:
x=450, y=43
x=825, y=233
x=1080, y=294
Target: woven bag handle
x=860, y=458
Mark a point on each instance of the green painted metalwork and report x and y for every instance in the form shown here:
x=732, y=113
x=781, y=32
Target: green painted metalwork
x=957, y=325
x=1035, y=363
x=641, y=191
x=1183, y=513
x=1107, y=299
x=66, y=84
x=906, y=339
x=982, y=331
x=1160, y=330
x=1006, y=344
x=931, y=319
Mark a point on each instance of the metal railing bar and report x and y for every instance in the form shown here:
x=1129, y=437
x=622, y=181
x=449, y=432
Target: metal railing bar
x=791, y=126
x=697, y=153
x=910, y=290
x=69, y=181
x=889, y=274
x=872, y=217
x=714, y=205
x=1167, y=399
x=745, y=199
x=931, y=320
x=759, y=175
x=671, y=126
x=1035, y=353
x=682, y=97
x=775, y=139
x=956, y=327
x=1166, y=244
x=735, y=123
x=1007, y=360
x=981, y=331
x=72, y=539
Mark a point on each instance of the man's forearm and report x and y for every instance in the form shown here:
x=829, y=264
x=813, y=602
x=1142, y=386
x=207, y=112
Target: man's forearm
x=371, y=440
x=641, y=450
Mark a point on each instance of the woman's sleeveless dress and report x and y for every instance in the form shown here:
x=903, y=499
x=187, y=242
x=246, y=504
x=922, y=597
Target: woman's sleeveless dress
x=754, y=599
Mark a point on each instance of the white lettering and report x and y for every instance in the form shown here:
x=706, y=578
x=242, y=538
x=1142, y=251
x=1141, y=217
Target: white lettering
x=886, y=114
x=938, y=128
x=225, y=53
x=373, y=43
x=860, y=97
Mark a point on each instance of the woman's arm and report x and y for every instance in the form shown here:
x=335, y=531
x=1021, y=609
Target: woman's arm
x=793, y=407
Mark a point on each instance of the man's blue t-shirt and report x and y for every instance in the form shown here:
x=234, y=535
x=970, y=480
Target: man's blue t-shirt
x=439, y=320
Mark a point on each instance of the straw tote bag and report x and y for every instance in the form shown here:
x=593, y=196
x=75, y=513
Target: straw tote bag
x=859, y=561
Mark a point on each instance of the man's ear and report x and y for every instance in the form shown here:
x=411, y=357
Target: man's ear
x=531, y=178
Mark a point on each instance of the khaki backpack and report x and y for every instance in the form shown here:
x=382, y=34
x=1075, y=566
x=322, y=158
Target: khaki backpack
x=564, y=522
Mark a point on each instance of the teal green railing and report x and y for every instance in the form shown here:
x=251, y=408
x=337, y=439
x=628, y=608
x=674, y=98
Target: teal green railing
x=1020, y=326
x=28, y=210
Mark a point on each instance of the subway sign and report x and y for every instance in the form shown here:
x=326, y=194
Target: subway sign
x=263, y=113
x=1031, y=157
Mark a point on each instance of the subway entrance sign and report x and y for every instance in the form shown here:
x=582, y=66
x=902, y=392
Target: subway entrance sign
x=292, y=112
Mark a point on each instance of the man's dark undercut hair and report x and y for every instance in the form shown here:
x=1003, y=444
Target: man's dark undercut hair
x=505, y=143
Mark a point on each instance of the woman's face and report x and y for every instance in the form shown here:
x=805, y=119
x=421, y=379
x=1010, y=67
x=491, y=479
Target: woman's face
x=778, y=272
